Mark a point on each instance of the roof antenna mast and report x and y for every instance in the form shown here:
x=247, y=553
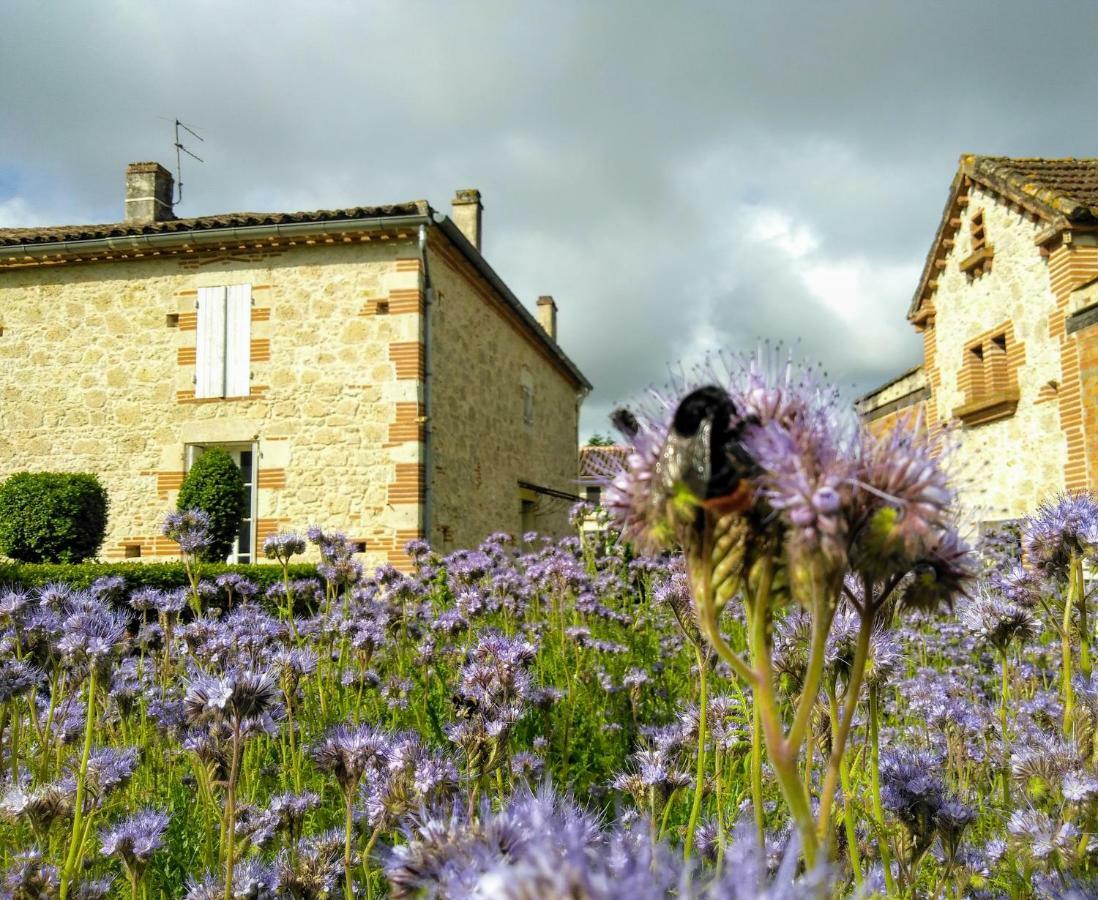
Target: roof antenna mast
x=179, y=151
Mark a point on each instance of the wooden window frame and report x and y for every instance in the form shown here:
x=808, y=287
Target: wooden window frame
x=978, y=262
x=991, y=393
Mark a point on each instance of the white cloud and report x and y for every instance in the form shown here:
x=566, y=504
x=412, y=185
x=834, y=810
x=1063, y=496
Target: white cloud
x=15, y=212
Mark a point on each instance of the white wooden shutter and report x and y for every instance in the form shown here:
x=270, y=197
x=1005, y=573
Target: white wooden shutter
x=238, y=341
x=209, y=378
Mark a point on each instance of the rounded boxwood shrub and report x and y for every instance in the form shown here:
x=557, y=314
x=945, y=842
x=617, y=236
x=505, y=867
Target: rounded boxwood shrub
x=215, y=486
x=55, y=517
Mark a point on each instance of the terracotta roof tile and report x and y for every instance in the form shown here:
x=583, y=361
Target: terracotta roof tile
x=57, y=233
x=602, y=462
x=1065, y=187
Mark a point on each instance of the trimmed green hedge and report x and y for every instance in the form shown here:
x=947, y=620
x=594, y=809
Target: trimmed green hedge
x=52, y=516
x=138, y=575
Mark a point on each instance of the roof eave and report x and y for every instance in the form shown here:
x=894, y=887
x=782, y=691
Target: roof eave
x=200, y=237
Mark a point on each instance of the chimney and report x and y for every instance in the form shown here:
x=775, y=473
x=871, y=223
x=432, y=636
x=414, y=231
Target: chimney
x=149, y=188
x=466, y=210
x=547, y=315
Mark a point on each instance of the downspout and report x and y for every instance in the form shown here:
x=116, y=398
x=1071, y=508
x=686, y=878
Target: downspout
x=428, y=302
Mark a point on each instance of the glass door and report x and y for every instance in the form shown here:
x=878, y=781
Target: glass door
x=244, y=455
x=242, y=548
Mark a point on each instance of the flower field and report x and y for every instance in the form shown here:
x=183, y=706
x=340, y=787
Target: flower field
x=787, y=676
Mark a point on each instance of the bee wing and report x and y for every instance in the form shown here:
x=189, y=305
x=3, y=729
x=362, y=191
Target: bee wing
x=686, y=461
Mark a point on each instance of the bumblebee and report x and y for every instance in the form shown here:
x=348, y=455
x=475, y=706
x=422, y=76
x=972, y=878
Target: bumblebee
x=703, y=453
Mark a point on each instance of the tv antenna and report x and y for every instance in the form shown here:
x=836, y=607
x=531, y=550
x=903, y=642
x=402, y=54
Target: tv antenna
x=179, y=151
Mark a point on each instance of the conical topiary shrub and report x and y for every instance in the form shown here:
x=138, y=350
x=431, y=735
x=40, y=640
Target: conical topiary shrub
x=215, y=486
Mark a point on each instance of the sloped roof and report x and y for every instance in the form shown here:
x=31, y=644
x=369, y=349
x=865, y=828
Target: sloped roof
x=56, y=233
x=1063, y=187
x=1062, y=192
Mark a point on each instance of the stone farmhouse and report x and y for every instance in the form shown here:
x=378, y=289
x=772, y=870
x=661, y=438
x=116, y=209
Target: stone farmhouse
x=367, y=367
x=1007, y=307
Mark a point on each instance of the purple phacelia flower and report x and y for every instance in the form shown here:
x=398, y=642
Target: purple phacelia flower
x=133, y=841
x=1060, y=529
x=189, y=528
x=283, y=547
x=236, y=696
x=347, y=752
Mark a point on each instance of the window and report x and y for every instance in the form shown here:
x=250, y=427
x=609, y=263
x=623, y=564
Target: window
x=528, y=515
x=223, y=348
x=987, y=378
x=527, y=382
x=987, y=371
x=978, y=261
x=594, y=495
x=244, y=455
x=976, y=230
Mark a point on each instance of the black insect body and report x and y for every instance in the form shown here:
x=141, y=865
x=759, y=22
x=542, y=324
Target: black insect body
x=623, y=420
x=704, y=452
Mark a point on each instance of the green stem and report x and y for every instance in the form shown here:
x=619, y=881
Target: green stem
x=782, y=757
x=821, y=625
x=230, y=813
x=875, y=785
x=757, y=773
x=718, y=775
x=1080, y=599
x=699, y=778
x=844, y=779
x=838, y=739
x=69, y=868
x=348, y=889
x=44, y=765
x=1065, y=667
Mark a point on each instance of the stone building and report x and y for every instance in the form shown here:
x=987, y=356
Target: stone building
x=1007, y=307
x=367, y=368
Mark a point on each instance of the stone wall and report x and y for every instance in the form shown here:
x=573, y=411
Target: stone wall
x=481, y=444
x=1005, y=467
x=899, y=402
x=97, y=374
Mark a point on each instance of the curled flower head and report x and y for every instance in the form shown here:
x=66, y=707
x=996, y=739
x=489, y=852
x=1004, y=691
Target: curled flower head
x=313, y=870
x=283, y=546
x=238, y=695
x=908, y=502
x=1039, y=838
x=939, y=578
x=346, y=753
x=190, y=528
x=40, y=806
x=93, y=634
x=996, y=621
x=31, y=877
x=134, y=840
x=1060, y=529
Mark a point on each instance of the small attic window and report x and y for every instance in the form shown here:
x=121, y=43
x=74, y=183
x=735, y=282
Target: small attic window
x=978, y=262
x=979, y=235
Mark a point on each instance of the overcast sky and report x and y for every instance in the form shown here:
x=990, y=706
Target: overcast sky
x=680, y=176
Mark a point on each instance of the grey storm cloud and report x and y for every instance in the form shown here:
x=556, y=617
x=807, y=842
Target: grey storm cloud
x=681, y=177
